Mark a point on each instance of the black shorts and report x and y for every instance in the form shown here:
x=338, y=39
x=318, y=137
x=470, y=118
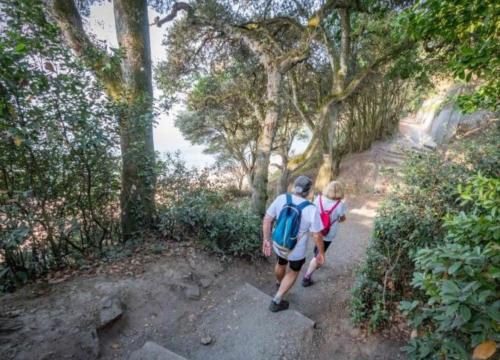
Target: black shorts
x=295, y=265
x=326, y=244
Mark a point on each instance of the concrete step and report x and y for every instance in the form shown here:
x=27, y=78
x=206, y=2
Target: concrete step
x=243, y=328
x=153, y=351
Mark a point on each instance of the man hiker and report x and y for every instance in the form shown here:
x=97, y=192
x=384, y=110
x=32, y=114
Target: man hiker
x=295, y=220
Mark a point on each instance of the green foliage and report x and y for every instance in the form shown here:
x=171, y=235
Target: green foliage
x=206, y=213
x=59, y=173
x=412, y=217
x=460, y=279
x=464, y=36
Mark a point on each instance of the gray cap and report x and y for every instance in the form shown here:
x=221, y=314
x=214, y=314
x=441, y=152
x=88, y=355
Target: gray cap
x=302, y=185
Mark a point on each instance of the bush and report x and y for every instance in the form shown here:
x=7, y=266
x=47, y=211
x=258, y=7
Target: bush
x=459, y=278
x=412, y=217
x=60, y=175
x=206, y=213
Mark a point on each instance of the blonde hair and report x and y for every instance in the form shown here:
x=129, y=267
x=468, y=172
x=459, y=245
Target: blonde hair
x=334, y=190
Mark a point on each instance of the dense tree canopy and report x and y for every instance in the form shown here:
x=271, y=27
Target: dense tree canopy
x=303, y=58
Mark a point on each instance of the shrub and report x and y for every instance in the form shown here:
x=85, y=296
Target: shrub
x=459, y=278
x=412, y=217
x=60, y=175
x=206, y=213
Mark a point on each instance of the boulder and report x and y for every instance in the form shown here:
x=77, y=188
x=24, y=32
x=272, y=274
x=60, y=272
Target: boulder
x=111, y=310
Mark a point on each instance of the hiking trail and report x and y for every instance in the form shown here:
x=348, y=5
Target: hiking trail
x=199, y=307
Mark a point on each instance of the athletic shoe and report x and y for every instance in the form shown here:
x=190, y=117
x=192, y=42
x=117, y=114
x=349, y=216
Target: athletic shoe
x=307, y=281
x=283, y=305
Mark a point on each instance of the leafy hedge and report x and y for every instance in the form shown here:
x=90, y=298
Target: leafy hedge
x=206, y=212
x=460, y=280
x=59, y=183
x=412, y=218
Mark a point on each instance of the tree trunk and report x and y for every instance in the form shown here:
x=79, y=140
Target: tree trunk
x=129, y=85
x=264, y=146
x=317, y=146
x=326, y=171
x=282, y=186
x=136, y=129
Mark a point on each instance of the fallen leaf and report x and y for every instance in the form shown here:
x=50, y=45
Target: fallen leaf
x=314, y=21
x=485, y=350
x=251, y=26
x=17, y=140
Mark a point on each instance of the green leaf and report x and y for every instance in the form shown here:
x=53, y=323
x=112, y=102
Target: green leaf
x=465, y=313
x=450, y=287
x=20, y=48
x=454, y=268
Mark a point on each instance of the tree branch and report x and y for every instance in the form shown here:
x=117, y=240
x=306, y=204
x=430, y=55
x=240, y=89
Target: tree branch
x=105, y=68
x=295, y=102
x=358, y=79
x=292, y=58
x=179, y=6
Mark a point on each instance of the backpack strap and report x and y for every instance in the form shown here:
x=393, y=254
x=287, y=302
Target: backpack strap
x=288, y=199
x=304, y=204
x=321, y=204
x=328, y=211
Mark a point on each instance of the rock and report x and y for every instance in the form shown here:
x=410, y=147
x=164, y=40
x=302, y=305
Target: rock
x=206, y=340
x=153, y=351
x=188, y=276
x=192, y=292
x=89, y=344
x=205, y=282
x=111, y=310
x=14, y=313
x=8, y=325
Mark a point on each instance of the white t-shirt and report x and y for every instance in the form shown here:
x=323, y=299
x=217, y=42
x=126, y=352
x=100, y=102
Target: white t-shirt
x=339, y=211
x=310, y=222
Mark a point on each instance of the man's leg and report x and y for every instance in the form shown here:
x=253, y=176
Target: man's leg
x=279, y=271
x=287, y=283
x=277, y=304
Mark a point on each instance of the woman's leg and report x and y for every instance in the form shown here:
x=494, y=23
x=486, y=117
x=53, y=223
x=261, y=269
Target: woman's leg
x=313, y=265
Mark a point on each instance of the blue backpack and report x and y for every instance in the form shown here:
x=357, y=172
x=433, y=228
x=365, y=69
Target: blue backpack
x=286, y=228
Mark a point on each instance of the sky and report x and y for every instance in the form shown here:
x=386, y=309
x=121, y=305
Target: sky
x=166, y=136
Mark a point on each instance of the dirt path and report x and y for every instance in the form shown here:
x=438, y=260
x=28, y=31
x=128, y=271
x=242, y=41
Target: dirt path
x=327, y=301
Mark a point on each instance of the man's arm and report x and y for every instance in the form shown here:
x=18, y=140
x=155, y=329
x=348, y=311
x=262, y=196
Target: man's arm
x=266, y=231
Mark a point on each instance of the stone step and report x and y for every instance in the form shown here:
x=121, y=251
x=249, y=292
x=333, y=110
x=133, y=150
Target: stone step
x=398, y=154
x=242, y=328
x=153, y=351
